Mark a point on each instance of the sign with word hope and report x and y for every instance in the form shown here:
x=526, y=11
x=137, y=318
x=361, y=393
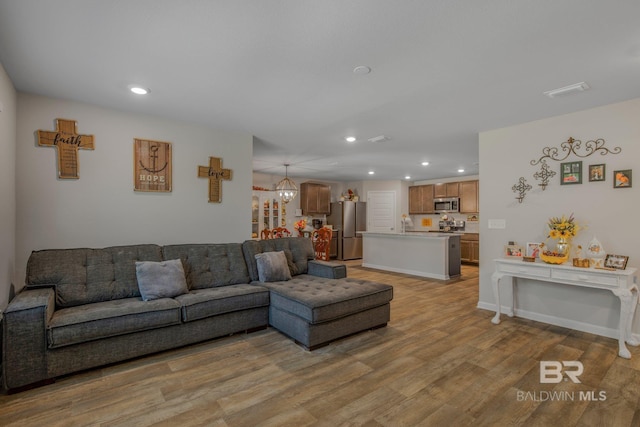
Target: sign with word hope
x=67, y=142
x=152, y=165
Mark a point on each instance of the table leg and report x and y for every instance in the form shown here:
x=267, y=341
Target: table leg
x=628, y=302
x=495, y=281
x=630, y=338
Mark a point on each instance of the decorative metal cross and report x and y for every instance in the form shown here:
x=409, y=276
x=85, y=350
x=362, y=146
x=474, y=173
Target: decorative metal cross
x=522, y=187
x=544, y=174
x=67, y=141
x=216, y=174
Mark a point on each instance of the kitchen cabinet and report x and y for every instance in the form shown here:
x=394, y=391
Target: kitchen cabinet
x=421, y=199
x=415, y=199
x=470, y=248
x=266, y=212
x=469, y=196
x=445, y=189
x=315, y=198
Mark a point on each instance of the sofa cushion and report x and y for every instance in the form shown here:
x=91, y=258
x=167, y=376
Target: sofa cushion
x=105, y=319
x=301, y=252
x=272, y=267
x=210, y=265
x=318, y=299
x=202, y=303
x=160, y=279
x=84, y=276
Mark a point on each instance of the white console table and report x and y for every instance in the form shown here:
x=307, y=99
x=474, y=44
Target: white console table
x=620, y=282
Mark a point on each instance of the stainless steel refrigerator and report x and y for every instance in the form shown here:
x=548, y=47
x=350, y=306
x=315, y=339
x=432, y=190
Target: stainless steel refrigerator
x=350, y=218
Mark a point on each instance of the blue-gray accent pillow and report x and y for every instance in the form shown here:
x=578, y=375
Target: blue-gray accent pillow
x=272, y=267
x=164, y=279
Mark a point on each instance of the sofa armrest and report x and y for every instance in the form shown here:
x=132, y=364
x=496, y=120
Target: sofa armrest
x=328, y=269
x=25, y=337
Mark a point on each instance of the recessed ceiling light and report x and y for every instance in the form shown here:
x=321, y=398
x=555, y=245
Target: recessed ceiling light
x=371, y=172
x=407, y=177
x=460, y=170
x=361, y=70
x=425, y=163
x=350, y=139
x=138, y=90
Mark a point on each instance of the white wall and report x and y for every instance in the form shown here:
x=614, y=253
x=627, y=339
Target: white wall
x=603, y=211
x=8, y=105
x=101, y=209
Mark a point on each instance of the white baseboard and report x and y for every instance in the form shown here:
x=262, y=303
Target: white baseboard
x=554, y=320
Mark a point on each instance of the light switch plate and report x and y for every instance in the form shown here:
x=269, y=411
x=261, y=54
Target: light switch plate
x=497, y=223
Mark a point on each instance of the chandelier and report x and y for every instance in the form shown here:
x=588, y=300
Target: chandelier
x=287, y=189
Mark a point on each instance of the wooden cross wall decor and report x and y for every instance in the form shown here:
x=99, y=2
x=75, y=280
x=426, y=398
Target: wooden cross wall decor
x=216, y=174
x=67, y=141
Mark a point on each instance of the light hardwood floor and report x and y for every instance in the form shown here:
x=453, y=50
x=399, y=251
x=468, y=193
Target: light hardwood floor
x=439, y=362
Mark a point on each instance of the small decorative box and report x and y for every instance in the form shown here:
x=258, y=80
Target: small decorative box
x=581, y=262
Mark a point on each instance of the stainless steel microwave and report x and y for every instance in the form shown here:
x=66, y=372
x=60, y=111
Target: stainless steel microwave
x=447, y=205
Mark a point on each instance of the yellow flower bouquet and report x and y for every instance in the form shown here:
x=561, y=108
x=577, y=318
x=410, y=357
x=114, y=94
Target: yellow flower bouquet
x=562, y=227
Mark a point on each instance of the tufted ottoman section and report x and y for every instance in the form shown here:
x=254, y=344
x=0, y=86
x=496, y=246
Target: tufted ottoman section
x=315, y=310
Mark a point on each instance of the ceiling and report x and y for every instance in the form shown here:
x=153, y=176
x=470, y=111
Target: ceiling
x=282, y=70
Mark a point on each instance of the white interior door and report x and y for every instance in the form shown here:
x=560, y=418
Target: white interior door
x=381, y=211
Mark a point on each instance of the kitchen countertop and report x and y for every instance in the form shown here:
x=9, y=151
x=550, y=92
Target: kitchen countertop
x=418, y=234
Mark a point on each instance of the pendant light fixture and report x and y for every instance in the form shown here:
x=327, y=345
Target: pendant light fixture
x=287, y=189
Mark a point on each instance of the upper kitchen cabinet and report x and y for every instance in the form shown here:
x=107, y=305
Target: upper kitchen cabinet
x=315, y=198
x=469, y=196
x=421, y=199
x=447, y=189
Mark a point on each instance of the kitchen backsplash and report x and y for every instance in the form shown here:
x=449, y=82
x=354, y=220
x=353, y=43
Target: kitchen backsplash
x=421, y=222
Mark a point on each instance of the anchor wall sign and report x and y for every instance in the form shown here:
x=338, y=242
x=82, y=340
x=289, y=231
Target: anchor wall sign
x=67, y=142
x=152, y=165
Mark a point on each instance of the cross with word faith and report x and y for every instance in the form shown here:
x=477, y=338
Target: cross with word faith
x=67, y=141
x=216, y=174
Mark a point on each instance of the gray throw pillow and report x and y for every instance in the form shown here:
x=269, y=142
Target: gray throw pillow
x=272, y=267
x=164, y=279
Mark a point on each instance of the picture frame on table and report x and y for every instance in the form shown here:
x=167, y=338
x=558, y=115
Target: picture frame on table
x=513, y=251
x=597, y=172
x=622, y=178
x=616, y=261
x=571, y=173
x=533, y=249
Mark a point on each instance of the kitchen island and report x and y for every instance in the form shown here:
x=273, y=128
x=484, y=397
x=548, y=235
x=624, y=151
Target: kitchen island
x=433, y=255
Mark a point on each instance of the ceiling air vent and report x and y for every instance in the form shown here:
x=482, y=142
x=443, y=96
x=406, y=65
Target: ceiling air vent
x=379, y=138
x=567, y=90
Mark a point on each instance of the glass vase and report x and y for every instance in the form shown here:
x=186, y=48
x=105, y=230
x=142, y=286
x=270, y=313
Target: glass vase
x=562, y=247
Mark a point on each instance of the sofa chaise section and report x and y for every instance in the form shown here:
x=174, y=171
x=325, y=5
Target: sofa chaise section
x=319, y=304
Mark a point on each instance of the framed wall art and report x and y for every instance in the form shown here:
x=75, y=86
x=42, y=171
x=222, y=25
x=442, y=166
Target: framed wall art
x=151, y=165
x=622, y=178
x=597, y=172
x=571, y=173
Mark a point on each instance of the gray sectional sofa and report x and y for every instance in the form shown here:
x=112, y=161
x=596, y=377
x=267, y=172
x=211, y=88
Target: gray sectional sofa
x=83, y=308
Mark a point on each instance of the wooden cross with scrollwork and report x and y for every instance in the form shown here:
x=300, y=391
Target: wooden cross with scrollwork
x=216, y=174
x=67, y=141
